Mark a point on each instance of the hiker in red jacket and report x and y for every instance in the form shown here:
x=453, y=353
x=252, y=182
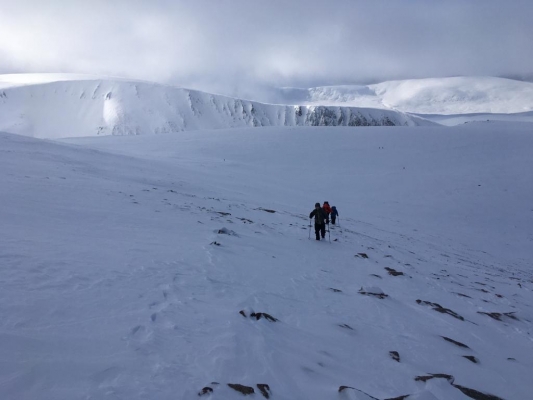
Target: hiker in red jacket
x=326, y=208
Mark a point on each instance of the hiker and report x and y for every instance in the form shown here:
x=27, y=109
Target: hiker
x=334, y=215
x=326, y=208
x=321, y=219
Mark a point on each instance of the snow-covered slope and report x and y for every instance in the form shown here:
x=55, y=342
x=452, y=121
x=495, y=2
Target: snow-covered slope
x=458, y=95
x=125, y=263
x=55, y=105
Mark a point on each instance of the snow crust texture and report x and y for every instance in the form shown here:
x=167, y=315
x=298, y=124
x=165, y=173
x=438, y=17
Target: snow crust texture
x=185, y=267
x=55, y=106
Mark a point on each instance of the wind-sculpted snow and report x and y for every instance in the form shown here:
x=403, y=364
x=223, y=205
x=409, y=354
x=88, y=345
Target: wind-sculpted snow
x=54, y=106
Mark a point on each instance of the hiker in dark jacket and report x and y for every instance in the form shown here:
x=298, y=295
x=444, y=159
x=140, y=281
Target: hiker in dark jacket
x=321, y=219
x=334, y=214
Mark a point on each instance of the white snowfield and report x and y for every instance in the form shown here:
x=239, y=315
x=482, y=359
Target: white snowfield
x=63, y=105
x=125, y=262
x=448, y=96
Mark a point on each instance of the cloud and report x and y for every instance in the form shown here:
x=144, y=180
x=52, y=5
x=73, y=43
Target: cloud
x=236, y=46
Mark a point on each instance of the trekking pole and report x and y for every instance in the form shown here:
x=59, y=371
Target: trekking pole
x=309, y=229
x=329, y=234
x=339, y=219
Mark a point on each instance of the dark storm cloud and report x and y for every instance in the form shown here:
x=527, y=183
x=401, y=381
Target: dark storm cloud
x=236, y=46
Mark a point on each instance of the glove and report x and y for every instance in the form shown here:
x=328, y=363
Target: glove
x=327, y=221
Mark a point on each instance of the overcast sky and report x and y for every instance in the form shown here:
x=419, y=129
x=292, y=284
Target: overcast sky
x=232, y=46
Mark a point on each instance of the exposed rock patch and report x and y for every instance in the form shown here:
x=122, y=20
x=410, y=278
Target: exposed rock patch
x=373, y=291
x=393, y=272
x=226, y=231
x=264, y=389
x=455, y=342
x=472, y=358
x=205, y=390
x=395, y=355
x=441, y=309
x=472, y=393
x=246, y=390
x=462, y=295
x=498, y=316
x=477, y=395
x=426, y=378
x=259, y=315
x=266, y=209
x=346, y=326
x=343, y=388
x=361, y=255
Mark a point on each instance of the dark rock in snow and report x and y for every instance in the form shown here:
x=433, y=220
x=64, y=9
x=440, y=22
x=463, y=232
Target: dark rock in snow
x=342, y=388
x=264, y=389
x=267, y=210
x=223, y=213
x=472, y=393
x=441, y=309
x=241, y=388
x=462, y=295
x=393, y=272
x=399, y=397
x=426, y=378
x=476, y=395
x=362, y=255
x=205, y=390
x=226, y=231
x=472, y=358
x=455, y=342
x=395, y=355
x=335, y=290
x=498, y=316
x=259, y=315
x=373, y=291
x=346, y=326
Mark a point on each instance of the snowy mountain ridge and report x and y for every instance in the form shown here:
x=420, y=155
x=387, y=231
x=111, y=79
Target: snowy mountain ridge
x=454, y=95
x=59, y=105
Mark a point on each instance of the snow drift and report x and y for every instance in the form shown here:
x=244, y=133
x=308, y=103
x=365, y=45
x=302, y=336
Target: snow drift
x=56, y=105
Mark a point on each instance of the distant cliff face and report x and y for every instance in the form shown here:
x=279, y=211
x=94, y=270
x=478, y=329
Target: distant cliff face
x=73, y=108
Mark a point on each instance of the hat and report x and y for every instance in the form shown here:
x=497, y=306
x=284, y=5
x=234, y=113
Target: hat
x=317, y=204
